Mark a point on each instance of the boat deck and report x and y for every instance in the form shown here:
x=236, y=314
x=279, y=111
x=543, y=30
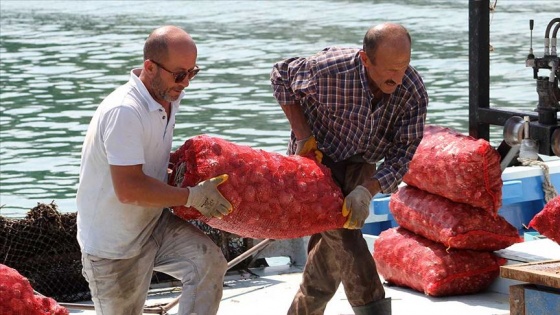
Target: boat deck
x=276, y=288
x=269, y=290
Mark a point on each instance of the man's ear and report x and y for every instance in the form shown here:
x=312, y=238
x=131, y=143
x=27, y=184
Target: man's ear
x=365, y=58
x=149, y=66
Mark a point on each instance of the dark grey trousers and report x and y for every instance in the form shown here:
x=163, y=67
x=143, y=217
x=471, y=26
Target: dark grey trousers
x=339, y=255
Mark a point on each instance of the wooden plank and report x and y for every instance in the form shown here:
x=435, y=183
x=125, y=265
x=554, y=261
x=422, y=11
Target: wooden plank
x=517, y=299
x=545, y=273
x=532, y=251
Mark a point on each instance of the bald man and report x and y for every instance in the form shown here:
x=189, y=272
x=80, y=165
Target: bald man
x=353, y=108
x=125, y=229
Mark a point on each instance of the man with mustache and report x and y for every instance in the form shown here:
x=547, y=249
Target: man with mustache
x=125, y=230
x=352, y=108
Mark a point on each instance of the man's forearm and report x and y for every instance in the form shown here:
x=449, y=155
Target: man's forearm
x=372, y=185
x=297, y=120
x=132, y=186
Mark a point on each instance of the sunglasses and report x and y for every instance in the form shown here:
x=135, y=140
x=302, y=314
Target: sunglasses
x=181, y=75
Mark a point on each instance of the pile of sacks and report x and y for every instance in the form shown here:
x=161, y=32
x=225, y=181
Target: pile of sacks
x=448, y=218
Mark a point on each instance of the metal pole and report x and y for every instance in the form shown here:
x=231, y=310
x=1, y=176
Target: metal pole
x=249, y=252
x=479, y=66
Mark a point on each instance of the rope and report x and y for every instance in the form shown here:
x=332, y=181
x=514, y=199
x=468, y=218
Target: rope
x=548, y=188
x=180, y=174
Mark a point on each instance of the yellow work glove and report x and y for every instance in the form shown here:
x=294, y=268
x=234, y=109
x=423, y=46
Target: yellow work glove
x=308, y=145
x=356, y=207
x=208, y=200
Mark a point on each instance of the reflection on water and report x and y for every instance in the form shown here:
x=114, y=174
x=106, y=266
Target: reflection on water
x=59, y=61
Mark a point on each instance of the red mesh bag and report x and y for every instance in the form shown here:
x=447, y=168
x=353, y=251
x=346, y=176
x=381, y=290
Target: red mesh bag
x=17, y=297
x=457, y=167
x=273, y=195
x=410, y=260
x=547, y=221
x=455, y=225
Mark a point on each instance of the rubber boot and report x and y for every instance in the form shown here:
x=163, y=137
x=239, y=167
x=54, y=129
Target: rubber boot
x=381, y=307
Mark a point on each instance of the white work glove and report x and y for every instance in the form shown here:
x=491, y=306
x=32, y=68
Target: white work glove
x=208, y=200
x=356, y=207
x=308, y=145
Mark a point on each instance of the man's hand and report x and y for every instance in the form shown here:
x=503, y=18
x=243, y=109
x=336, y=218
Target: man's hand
x=208, y=200
x=356, y=207
x=308, y=145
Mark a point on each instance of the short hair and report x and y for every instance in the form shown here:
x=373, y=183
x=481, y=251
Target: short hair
x=156, y=47
x=376, y=35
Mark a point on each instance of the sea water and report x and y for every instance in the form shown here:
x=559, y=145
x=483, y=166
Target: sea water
x=59, y=59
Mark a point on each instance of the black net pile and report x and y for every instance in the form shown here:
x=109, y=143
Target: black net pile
x=43, y=248
x=231, y=244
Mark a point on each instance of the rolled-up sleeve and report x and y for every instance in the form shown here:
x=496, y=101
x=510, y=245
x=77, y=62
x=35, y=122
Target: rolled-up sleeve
x=409, y=130
x=290, y=80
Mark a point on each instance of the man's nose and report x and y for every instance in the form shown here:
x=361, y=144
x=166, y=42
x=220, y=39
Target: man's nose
x=398, y=77
x=186, y=82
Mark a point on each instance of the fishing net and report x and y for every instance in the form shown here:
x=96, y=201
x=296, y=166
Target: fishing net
x=43, y=248
x=410, y=260
x=547, y=221
x=17, y=296
x=457, y=167
x=273, y=195
x=455, y=225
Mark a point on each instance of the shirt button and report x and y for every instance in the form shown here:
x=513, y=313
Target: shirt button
x=162, y=117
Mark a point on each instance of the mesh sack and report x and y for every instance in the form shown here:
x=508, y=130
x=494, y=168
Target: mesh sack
x=547, y=221
x=455, y=225
x=410, y=260
x=273, y=195
x=17, y=296
x=458, y=167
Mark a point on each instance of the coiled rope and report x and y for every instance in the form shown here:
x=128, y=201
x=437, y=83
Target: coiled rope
x=548, y=188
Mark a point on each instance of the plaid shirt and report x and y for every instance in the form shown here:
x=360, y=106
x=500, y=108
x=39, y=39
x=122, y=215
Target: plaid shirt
x=332, y=88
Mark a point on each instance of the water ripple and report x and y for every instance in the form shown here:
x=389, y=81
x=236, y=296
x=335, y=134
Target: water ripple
x=58, y=62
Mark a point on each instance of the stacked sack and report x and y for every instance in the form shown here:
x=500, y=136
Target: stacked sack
x=17, y=296
x=448, y=218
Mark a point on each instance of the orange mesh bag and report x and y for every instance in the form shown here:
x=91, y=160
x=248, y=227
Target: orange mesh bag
x=17, y=296
x=273, y=195
x=455, y=225
x=547, y=221
x=410, y=260
x=457, y=167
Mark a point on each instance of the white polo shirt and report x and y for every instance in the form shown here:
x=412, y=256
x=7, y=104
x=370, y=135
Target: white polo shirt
x=128, y=128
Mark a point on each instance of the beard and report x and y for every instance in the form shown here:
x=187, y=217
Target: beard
x=161, y=91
